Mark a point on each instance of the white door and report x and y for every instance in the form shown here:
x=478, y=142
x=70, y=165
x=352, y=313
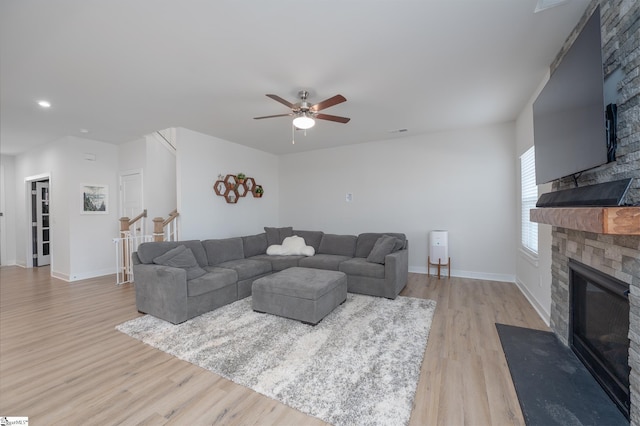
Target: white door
x=131, y=195
x=42, y=223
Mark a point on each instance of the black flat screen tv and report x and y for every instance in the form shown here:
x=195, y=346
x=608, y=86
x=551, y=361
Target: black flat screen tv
x=569, y=122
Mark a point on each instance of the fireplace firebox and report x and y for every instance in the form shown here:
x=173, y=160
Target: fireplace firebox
x=599, y=329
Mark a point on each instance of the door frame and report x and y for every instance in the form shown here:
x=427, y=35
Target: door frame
x=28, y=207
x=121, y=175
x=43, y=259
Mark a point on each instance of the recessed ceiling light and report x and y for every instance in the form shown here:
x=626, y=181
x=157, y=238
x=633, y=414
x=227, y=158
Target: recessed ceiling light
x=84, y=131
x=44, y=104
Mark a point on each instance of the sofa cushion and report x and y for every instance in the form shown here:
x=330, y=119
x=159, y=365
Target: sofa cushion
x=247, y=268
x=223, y=250
x=279, y=263
x=383, y=246
x=341, y=245
x=323, y=261
x=360, y=266
x=399, y=245
x=291, y=246
x=181, y=257
x=214, y=279
x=277, y=235
x=311, y=238
x=253, y=245
x=367, y=240
x=149, y=251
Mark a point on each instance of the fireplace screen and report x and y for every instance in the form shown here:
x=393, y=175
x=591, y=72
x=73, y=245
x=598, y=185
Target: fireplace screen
x=600, y=329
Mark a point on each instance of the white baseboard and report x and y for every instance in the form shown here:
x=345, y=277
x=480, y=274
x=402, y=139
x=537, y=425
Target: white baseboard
x=76, y=277
x=464, y=274
x=546, y=317
x=93, y=274
x=83, y=276
x=60, y=276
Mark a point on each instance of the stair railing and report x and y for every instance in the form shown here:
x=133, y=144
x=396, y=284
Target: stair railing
x=131, y=236
x=169, y=137
x=166, y=229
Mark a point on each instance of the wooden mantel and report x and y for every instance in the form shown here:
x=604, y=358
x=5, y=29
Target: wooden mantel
x=599, y=220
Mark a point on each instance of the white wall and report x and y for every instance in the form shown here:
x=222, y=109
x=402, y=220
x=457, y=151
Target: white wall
x=132, y=159
x=132, y=155
x=159, y=181
x=203, y=214
x=81, y=245
x=158, y=166
x=46, y=161
x=92, y=248
x=533, y=274
x=463, y=181
x=8, y=209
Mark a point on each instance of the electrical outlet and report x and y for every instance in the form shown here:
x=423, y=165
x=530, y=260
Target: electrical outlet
x=349, y=197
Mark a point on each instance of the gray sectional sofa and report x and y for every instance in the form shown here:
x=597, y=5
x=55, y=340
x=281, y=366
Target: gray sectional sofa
x=179, y=280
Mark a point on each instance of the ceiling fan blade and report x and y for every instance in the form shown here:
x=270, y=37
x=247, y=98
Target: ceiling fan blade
x=271, y=116
x=337, y=99
x=342, y=120
x=282, y=101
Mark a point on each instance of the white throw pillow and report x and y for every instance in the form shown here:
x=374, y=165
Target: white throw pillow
x=307, y=251
x=291, y=246
x=274, y=250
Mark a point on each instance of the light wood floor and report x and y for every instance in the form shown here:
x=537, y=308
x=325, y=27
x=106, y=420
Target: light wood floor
x=62, y=361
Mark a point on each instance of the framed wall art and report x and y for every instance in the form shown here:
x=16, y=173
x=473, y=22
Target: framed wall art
x=95, y=199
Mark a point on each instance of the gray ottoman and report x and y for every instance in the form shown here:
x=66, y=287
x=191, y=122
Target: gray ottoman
x=303, y=294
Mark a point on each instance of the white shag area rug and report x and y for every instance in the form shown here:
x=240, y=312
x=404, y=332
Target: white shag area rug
x=359, y=366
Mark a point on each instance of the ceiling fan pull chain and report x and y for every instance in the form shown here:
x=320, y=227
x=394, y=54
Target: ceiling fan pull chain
x=293, y=134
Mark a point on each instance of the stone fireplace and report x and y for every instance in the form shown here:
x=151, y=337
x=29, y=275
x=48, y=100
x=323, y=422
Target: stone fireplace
x=614, y=253
x=599, y=329
x=617, y=256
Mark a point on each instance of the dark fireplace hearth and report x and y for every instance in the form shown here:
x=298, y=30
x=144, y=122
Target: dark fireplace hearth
x=599, y=329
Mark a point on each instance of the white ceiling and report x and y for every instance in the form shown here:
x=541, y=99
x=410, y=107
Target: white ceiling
x=122, y=69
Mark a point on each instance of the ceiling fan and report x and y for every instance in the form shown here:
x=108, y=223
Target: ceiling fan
x=305, y=113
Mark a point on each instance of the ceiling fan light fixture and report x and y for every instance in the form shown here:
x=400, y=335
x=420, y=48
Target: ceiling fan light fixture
x=305, y=115
x=304, y=121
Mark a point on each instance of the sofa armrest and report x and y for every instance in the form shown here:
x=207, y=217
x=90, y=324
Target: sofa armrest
x=396, y=272
x=161, y=291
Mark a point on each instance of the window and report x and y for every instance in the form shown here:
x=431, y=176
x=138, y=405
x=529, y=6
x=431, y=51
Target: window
x=529, y=197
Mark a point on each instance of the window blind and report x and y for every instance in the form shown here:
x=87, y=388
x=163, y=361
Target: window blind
x=529, y=195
